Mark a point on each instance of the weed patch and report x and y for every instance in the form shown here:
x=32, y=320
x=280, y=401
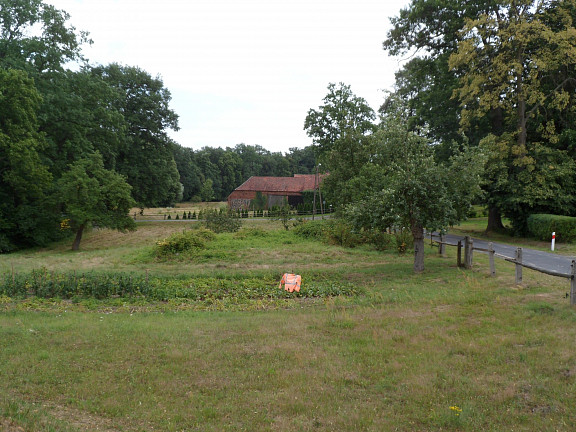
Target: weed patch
x=131, y=287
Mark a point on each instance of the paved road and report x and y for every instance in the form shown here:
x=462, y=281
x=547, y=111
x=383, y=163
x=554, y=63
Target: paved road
x=546, y=260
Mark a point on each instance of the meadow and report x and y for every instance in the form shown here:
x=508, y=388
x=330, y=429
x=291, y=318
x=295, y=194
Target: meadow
x=445, y=350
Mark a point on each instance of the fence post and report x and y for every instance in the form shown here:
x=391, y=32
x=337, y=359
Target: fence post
x=468, y=252
x=573, y=284
x=442, y=247
x=518, y=266
x=491, y=257
x=459, y=254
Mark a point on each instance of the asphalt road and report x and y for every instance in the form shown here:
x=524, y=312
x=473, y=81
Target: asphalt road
x=544, y=260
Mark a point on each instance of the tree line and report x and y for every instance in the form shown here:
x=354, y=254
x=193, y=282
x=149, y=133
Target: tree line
x=81, y=144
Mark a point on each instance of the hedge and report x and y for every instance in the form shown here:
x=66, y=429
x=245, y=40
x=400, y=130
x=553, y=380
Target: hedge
x=542, y=226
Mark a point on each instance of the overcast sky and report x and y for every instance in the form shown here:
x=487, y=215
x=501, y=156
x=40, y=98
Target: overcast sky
x=244, y=71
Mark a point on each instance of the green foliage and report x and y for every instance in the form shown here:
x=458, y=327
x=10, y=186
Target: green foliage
x=146, y=159
x=44, y=284
x=260, y=201
x=24, y=179
x=403, y=240
x=91, y=194
x=405, y=186
x=341, y=130
x=187, y=243
x=542, y=226
x=311, y=230
x=250, y=233
x=521, y=75
x=341, y=233
x=37, y=37
x=207, y=191
x=283, y=213
x=222, y=221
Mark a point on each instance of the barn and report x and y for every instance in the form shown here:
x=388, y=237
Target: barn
x=274, y=189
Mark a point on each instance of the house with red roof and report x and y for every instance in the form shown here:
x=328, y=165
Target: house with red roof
x=277, y=190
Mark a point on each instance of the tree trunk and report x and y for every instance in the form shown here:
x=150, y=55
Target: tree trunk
x=76, y=244
x=418, y=235
x=494, y=220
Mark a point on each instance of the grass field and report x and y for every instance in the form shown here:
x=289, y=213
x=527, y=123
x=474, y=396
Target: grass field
x=446, y=350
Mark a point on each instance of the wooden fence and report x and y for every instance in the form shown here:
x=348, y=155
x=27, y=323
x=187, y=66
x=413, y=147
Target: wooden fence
x=468, y=246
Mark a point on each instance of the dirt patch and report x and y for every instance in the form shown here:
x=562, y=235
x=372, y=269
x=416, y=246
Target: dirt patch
x=82, y=420
x=6, y=425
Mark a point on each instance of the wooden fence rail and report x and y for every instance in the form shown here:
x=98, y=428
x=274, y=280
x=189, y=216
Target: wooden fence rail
x=468, y=246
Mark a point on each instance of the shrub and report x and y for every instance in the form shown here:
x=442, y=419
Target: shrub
x=251, y=233
x=186, y=242
x=381, y=240
x=311, y=230
x=403, y=239
x=341, y=233
x=542, y=226
x=222, y=221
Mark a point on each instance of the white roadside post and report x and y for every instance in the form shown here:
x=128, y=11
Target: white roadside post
x=553, y=240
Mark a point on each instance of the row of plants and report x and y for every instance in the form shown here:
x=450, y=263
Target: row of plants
x=300, y=210
x=71, y=285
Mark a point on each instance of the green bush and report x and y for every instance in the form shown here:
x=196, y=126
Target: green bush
x=403, y=239
x=342, y=233
x=186, y=242
x=381, y=240
x=311, y=230
x=541, y=226
x=222, y=221
x=251, y=233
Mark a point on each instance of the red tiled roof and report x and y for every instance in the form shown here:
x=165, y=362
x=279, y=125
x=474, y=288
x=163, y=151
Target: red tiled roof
x=298, y=183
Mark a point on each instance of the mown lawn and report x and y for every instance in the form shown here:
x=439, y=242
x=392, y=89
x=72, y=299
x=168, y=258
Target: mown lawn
x=448, y=350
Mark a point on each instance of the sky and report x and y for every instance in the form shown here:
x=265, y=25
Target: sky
x=244, y=71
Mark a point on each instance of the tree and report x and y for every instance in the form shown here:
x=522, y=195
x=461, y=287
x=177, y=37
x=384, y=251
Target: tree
x=147, y=159
x=506, y=61
x=93, y=195
x=79, y=116
x=35, y=37
x=404, y=186
x=301, y=161
x=260, y=201
x=429, y=31
x=24, y=179
x=341, y=130
x=206, y=191
x=190, y=175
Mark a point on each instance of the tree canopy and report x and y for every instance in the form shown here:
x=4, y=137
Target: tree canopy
x=341, y=130
x=92, y=195
x=503, y=73
x=405, y=186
